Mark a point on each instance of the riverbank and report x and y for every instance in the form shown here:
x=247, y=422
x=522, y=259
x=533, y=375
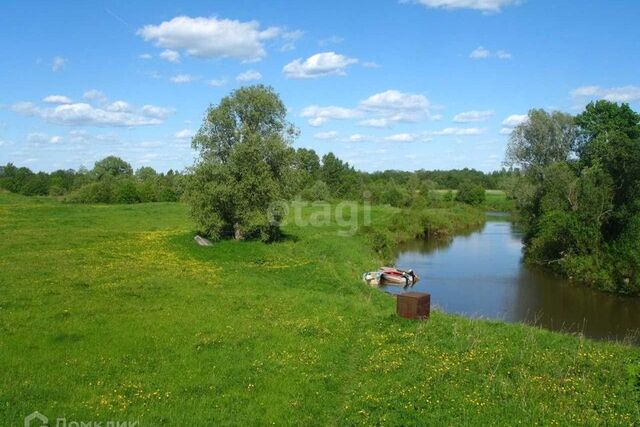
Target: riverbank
x=113, y=313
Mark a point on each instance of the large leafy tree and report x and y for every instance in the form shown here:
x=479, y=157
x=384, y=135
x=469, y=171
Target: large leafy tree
x=580, y=196
x=244, y=166
x=544, y=138
x=111, y=166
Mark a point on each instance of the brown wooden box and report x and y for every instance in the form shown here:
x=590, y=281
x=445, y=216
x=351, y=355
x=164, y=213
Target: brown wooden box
x=414, y=305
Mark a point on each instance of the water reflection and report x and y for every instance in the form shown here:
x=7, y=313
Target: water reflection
x=481, y=274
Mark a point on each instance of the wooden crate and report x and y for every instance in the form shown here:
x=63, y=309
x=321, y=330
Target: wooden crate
x=414, y=305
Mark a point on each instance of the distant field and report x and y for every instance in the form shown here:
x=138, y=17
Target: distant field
x=113, y=313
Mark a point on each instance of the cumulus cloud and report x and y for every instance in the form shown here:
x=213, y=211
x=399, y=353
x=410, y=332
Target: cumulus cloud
x=319, y=115
x=357, y=137
x=58, y=63
x=182, y=78
x=393, y=106
x=614, y=94
x=249, y=76
x=401, y=137
x=116, y=114
x=184, y=134
x=318, y=65
x=511, y=122
x=326, y=135
x=39, y=138
x=170, y=55
x=290, y=39
x=379, y=110
x=145, y=56
x=213, y=37
x=457, y=131
x=57, y=99
x=514, y=120
x=482, y=53
x=473, y=116
x=119, y=106
x=94, y=95
x=217, y=82
x=485, y=6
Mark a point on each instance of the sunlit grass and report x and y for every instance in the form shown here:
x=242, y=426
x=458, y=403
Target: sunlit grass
x=113, y=313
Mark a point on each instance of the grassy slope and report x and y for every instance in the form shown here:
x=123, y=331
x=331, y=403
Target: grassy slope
x=111, y=312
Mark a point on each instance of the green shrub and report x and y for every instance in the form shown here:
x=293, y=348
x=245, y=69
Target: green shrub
x=470, y=193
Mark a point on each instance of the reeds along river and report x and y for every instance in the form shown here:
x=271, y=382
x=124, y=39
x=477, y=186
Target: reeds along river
x=481, y=274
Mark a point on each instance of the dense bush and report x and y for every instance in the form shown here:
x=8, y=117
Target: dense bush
x=470, y=193
x=580, y=193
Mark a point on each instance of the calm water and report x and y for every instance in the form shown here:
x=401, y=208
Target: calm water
x=482, y=275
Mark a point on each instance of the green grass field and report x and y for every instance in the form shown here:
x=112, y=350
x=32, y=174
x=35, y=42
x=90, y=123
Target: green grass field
x=113, y=313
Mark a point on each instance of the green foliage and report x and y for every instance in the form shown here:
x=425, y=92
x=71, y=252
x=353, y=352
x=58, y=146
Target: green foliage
x=111, y=166
x=470, y=193
x=545, y=138
x=245, y=166
x=319, y=190
x=580, y=210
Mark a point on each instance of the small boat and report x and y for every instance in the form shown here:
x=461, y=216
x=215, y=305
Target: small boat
x=390, y=276
x=372, y=278
x=394, y=276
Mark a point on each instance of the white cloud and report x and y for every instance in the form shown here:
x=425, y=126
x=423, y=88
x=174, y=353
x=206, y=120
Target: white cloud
x=585, y=91
x=249, y=76
x=116, y=114
x=356, y=137
x=157, y=112
x=182, y=78
x=57, y=99
x=370, y=64
x=38, y=138
x=290, y=39
x=217, y=82
x=319, y=115
x=482, y=53
x=184, y=134
x=145, y=56
x=615, y=94
x=318, y=65
x=393, y=106
x=58, y=63
x=401, y=137
x=393, y=100
x=94, y=95
x=170, y=55
x=457, y=131
x=376, y=123
x=514, y=120
x=326, y=135
x=213, y=37
x=119, y=106
x=473, y=116
x=486, y=6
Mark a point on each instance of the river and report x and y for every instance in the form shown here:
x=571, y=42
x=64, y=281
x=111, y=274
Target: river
x=481, y=274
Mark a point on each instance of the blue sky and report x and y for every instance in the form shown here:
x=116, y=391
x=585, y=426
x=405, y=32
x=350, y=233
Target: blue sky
x=424, y=84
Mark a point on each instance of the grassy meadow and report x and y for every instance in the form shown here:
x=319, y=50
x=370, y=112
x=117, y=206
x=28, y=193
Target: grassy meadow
x=112, y=312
